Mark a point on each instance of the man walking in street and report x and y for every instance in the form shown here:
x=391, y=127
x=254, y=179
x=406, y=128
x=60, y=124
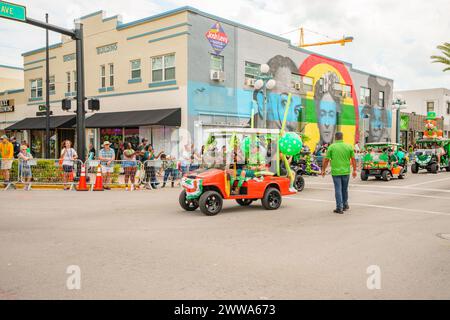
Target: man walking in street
x=341, y=155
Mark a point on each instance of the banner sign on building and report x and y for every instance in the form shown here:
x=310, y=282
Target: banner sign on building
x=217, y=38
x=404, y=122
x=6, y=105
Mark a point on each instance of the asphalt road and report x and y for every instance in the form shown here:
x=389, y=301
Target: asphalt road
x=143, y=245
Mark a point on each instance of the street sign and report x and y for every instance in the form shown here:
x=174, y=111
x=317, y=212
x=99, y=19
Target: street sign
x=13, y=11
x=42, y=113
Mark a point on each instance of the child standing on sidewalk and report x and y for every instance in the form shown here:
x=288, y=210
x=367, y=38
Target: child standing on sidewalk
x=169, y=167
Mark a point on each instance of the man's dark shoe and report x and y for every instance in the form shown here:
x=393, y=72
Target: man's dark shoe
x=346, y=207
x=340, y=211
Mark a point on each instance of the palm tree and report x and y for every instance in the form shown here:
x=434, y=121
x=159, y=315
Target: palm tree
x=445, y=59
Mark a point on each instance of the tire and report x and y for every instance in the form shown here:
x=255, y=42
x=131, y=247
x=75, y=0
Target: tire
x=448, y=169
x=210, y=203
x=244, y=202
x=271, y=199
x=188, y=205
x=434, y=168
x=414, y=168
x=386, y=175
x=364, y=175
x=299, y=183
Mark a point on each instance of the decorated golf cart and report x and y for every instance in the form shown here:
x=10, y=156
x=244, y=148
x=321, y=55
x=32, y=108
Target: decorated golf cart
x=248, y=171
x=384, y=161
x=433, y=150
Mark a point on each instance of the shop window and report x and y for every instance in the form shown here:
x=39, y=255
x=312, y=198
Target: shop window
x=364, y=95
x=217, y=62
x=51, y=84
x=36, y=88
x=111, y=75
x=135, y=69
x=381, y=99
x=430, y=106
x=252, y=70
x=68, y=81
x=102, y=76
x=163, y=68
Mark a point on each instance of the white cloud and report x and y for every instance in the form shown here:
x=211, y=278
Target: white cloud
x=392, y=38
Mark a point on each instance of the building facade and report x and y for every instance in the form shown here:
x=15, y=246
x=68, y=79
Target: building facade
x=422, y=101
x=170, y=76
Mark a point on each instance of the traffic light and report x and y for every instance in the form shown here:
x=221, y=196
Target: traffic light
x=66, y=104
x=94, y=104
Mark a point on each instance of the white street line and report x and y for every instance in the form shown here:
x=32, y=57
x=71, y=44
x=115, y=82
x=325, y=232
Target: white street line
x=426, y=182
x=378, y=186
x=373, y=206
x=382, y=192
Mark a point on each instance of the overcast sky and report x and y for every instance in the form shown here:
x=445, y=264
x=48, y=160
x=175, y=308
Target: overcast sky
x=392, y=38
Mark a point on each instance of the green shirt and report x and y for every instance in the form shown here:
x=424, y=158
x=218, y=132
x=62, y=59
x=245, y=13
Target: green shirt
x=339, y=154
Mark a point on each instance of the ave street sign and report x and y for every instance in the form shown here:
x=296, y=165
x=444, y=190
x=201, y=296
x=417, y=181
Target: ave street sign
x=13, y=11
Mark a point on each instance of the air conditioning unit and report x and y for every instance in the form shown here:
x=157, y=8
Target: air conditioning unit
x=297, y=86
x=250, y=82
x=217, y=75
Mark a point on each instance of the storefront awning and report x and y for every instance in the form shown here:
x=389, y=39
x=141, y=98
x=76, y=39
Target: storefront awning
x=127, y=119
x=38, y=123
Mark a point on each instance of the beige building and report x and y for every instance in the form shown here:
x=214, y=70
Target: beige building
x=11, y=78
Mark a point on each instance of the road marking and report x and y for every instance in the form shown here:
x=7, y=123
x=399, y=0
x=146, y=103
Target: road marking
x=426, y=182
x=374, y=206
x=382, y=192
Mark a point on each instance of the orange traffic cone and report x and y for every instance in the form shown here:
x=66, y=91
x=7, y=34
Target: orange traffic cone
x=82, y=183
x=98, y=186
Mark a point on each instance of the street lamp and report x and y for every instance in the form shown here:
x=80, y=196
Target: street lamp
x=398, y=104
x=265, y=82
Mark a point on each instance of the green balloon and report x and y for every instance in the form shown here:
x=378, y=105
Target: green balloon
x=290, y=144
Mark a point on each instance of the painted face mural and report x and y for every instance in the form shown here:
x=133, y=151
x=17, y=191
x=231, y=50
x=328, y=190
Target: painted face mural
x=332, y=102
x=281, y=69
x=378, y=114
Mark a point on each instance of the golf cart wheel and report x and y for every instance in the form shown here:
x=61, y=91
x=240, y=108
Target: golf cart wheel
x=271, y=199
x=386, y=175
x=448, y=169
x=299, y=183
x=434, y=168
x=244, y=202
x=364, y=175
x=414, y=168
x=210, y=203
x=188, y=205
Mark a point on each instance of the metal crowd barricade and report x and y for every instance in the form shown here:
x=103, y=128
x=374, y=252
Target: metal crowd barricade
x=115, y=173
x=13, y=166
x=50, y=172
x=159, y=173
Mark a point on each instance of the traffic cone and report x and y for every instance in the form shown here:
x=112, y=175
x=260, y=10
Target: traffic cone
x=82, y=186
x=98, y=186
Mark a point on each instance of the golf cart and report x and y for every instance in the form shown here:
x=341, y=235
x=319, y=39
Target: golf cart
x=384, y=160
x=207, y=188
x=427, y=156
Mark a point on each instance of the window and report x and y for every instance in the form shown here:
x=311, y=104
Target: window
x=381, y=99
x=51, y=84
x=252, y=70
x=217, y=62
x=364, y=95
x=430, y=106
x=68, y=81
x=75, y=81
x=448, y=107
x=343, y=90
x=135, y=69
x=102, y=76
x=163, y=68
x=308, y=83
x=111, y=75
x=36, y=88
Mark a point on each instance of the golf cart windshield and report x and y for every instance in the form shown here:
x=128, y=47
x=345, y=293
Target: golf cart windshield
x=420, y=152
x=229, y=147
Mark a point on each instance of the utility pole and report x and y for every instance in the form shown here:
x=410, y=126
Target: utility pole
x=47, y=95
x=81, y=126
